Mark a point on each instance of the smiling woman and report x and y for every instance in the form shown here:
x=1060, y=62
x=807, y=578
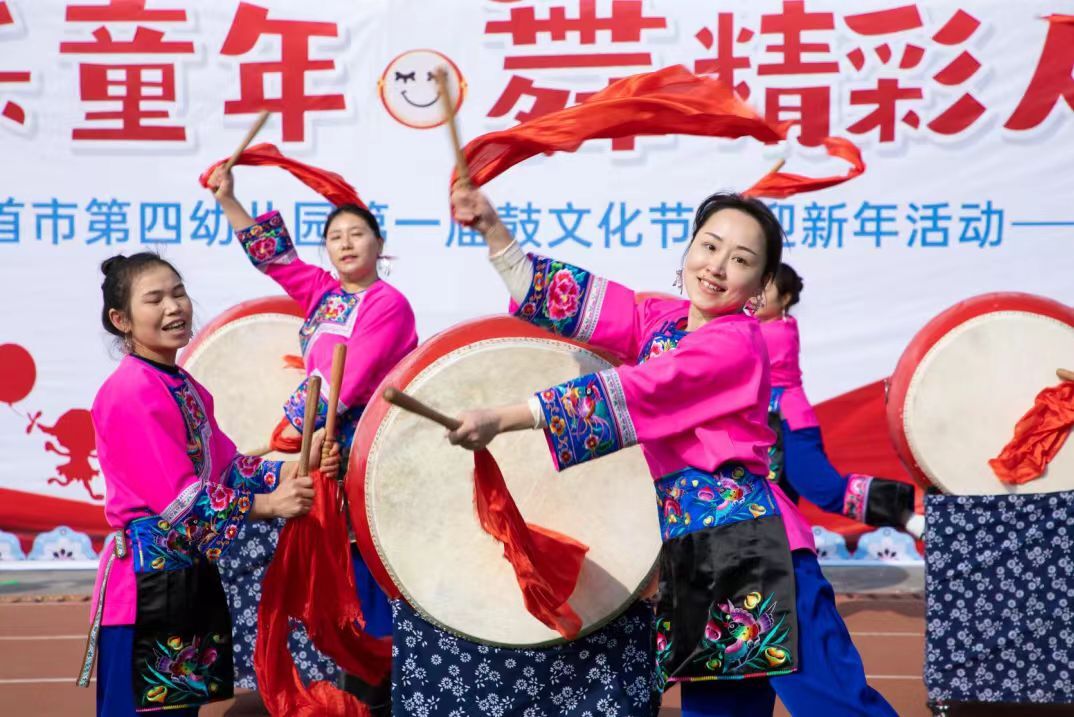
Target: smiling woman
x=741, y=595
x=177, y=495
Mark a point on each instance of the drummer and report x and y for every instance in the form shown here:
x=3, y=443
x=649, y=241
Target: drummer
x=356, y=307
x=798, y=460
x=744, y=612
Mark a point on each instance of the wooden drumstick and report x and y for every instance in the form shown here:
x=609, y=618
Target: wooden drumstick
x=461, y=168
x=1064, y=375
x=258, y=124
x=777, y=166
x=408, y=403
x=309, y=421
x=339, y=357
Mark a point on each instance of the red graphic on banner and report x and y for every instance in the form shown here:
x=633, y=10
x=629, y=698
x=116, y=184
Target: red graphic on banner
x=250, y=24
x=571, y=30
x=1053, y=79
x=17, y=375
x=409, y=92
x=10, y=109
x=77, y=442
x=133, y=85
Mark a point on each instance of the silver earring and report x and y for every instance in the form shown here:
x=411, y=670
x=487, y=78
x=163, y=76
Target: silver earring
x=678, y=280
x=384, y=265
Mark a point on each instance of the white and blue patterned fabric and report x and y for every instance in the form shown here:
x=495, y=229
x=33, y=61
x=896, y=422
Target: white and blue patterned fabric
x=999, y=598
x=609, y=673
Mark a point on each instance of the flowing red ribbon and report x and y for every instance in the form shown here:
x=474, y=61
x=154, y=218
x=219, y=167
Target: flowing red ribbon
x=329, y=185
x=779, y=185
x=281, y=443
x=1038, y=436
x=311, y=579
x=669, y=101
x=546, y=563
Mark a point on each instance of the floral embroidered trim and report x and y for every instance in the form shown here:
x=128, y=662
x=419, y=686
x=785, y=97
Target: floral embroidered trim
x=747, y=639
x=856, y=497
x=690, y=500
x=336, y=313
x=198, y=431
x=562, y=298
x=295, y=408
x=182, y=672
x=582, y=420
x=254, y=474
x=775, y=398
x=267, y=241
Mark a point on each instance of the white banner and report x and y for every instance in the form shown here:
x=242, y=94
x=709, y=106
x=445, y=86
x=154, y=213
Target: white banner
x=109, y=111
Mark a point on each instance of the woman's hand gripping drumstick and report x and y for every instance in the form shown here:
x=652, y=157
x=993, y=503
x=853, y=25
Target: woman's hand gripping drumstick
x=293, y=497
x=473, y=430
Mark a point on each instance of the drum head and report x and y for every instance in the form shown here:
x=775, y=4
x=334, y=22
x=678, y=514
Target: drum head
x=239, y=357
x=964, y=382
x=411, y=492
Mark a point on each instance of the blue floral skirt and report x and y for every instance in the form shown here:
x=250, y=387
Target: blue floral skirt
x=608, y=673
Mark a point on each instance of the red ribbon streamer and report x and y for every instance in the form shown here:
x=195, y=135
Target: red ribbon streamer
x=1038, y=436
x=281, y=444
x=672, y=100
x=311, y=579
x=780, y=185
x=329, y=185
x=546, y=563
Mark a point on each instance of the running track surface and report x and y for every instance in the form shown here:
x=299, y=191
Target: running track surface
x=41, y=644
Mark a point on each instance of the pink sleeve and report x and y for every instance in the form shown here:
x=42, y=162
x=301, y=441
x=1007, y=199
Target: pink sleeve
x=384, y=332
x=710, y=374
x=572, y=302
x=142, y=444
x=268, y=245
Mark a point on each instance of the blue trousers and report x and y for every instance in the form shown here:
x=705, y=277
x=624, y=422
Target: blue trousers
x=830, y=681
x=809, y=471
x=115, y=695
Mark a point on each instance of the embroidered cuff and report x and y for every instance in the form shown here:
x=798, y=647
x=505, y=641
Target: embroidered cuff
x=267, y=242
x=586, y=418
x=295, y=408
x=563, y=299
x=205, y=517
x=254, y=474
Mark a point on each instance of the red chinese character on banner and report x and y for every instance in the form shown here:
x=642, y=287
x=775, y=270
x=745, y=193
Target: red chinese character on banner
x=886, y=97
x=131, y=85
x=784, y=35
x=1052, y=80
x=10, y=109
x=572, y=30
x=251, y=22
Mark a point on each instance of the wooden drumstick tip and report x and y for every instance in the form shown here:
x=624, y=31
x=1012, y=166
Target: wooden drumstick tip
x=777, y=166
x=259, y=123
x=1064, y=375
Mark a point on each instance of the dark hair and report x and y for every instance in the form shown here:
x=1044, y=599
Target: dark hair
x=119, y=275
x=357, y=211
x=773, y=232
x=788, y=283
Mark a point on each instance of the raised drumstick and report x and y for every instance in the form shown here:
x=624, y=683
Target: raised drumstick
x=258, y=124
x=339, y=358
x=1064, y=375
x=461, y=169
x=408, y=403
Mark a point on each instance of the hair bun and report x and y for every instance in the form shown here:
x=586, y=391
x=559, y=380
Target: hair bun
x=112, y=263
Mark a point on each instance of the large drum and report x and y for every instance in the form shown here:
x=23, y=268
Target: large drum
x=964, y=382
x=241, y=358
x=412, y=493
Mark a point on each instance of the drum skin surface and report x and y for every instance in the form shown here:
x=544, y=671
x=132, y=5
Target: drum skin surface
x=966, y=379
x=411, y=492
x=239, y=358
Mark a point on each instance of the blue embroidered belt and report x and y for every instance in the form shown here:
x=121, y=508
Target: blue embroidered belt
x=692, y=499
